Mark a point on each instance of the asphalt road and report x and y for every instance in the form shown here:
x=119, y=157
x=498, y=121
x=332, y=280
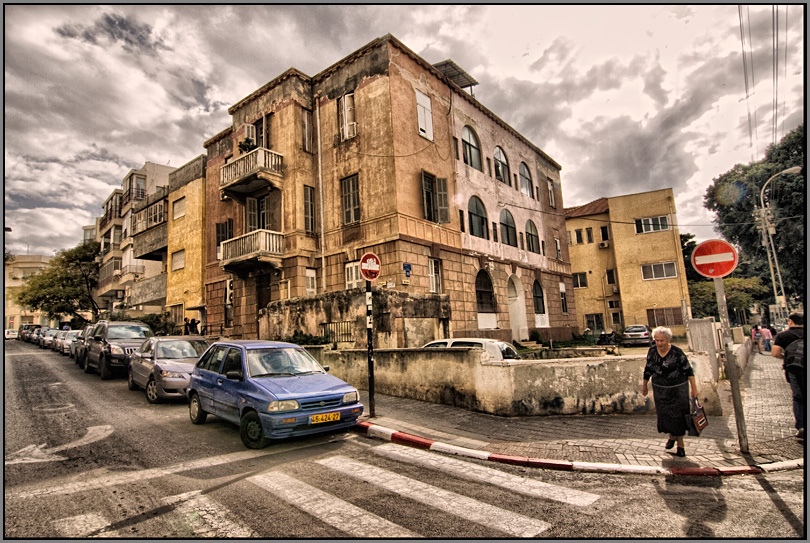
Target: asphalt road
x=87, y=458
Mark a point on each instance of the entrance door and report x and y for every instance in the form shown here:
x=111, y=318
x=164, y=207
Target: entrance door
x=517, y=309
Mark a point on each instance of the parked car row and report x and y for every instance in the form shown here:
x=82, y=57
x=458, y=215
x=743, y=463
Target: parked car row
x=271, y=390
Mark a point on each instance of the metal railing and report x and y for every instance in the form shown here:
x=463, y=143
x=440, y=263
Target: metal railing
x=133, y=268
x=250, y=163
x=338, y=331
x=257, y=241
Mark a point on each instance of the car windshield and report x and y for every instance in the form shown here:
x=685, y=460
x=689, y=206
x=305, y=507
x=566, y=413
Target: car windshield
x=273, y=362
x=181, y=348
x=128, y=331
x=634, y=329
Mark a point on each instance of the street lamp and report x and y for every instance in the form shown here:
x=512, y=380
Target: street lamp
x=767, y=231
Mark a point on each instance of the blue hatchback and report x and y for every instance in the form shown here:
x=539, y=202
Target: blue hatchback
x=271, y=389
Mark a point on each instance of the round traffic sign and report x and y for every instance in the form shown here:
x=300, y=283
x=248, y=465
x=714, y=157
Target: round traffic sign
x=714, y=258
x=370, y=266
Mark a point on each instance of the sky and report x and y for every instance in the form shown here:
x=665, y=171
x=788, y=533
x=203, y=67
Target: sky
x=626, y=98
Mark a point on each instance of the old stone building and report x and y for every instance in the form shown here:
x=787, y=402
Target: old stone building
x=382, y=152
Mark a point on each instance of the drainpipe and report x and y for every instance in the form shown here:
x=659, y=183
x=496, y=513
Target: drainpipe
x=320, y=191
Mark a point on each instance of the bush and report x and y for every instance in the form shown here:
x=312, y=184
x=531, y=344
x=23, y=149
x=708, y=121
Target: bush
x=535, y=336
x=300, y=338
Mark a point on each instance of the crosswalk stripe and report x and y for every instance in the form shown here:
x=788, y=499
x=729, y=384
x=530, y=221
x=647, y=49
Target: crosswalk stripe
x=471, y=471
x=206, y=517
x=84, y=525
x=344, y=516
x=444, y=500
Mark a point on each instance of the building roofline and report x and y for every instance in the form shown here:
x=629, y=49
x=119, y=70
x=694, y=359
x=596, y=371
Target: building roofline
x=213, y=139
x=290, y=72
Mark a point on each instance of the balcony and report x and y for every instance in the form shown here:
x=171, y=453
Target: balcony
x=252, y=171
x=130, y=272
x=248, y=249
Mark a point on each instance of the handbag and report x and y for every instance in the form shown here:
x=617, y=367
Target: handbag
x=696, y=420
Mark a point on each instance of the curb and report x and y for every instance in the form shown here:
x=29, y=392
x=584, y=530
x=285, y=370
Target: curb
x=401, y=438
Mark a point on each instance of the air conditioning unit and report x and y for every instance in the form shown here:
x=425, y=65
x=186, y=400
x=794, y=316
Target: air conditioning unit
x=604, y=244
x=117, y=273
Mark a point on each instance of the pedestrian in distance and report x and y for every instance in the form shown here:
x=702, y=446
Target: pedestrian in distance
x=192, y=327
x=185, y=326
x=672, y=378
x=789, y=346
x=756, y=338
x=767, y=338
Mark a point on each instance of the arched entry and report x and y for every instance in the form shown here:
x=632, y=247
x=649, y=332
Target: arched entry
x=517, y=309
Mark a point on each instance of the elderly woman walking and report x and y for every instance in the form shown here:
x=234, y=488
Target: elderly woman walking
x=672, y=378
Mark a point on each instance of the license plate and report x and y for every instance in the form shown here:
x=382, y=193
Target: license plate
x=325, y=417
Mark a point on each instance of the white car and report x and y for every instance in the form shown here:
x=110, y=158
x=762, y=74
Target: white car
x=495, y=350
x=11, y=333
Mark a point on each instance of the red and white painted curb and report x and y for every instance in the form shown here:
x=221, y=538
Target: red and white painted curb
x=401, y=438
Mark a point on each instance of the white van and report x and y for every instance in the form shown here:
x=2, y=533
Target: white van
x=495, y=350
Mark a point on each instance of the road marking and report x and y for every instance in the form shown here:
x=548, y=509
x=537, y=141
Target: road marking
x=713, y=259
x=344, y=516
x=83, y=526
x=474, y=472
x=444, y=500
x=38, y=453
x=206, y=517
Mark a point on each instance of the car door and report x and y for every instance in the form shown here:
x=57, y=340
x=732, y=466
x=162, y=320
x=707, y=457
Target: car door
x=93, y=345
x=207, y=373
x=227, y=392
x=141, y=362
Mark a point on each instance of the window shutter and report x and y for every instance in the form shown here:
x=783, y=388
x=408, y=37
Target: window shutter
x=252, y=214
x=427, y=196
x=250, y=132
x=442, y=200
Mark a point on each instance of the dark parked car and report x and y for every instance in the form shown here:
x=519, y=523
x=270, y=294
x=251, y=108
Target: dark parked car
x=162, y=365
x=272, y=390
x=637, y=334
x=25, y=330
x=110, y=344
x=81, y=344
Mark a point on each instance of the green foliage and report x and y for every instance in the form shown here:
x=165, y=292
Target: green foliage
x=734, y=195
x=741, y=294
x=64, y=287
x=688, y=244
x=7, y=256
x=160, y=323
x=300, y=338
x=534, y=335
x=247, y=145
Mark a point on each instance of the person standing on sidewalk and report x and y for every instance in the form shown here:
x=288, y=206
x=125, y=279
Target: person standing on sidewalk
x=756, y=338
x=767, y=338
x=795, y=367
x=673, y=377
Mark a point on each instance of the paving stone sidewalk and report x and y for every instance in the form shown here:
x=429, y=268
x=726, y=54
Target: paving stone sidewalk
x=615, y=439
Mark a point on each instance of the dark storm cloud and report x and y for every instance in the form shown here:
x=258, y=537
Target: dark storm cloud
x=133, y=36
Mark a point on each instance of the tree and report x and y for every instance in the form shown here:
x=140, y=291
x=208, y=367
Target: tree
x=7, y=257
x=734, y=195
x=65, y=286
x=741, y=294
x=688, y=244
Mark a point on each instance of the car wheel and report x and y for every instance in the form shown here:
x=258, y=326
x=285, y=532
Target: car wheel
x=152, y=391
x=87, y=367
x=195, y=410
x=104, y=368
x=131, y=382
x=251, y=432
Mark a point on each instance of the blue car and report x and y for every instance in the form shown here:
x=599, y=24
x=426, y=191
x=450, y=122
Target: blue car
x=272, y=390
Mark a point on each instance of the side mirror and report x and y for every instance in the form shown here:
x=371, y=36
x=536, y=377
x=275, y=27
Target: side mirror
x=325, y=368
x=97, y=338
x=234, y=375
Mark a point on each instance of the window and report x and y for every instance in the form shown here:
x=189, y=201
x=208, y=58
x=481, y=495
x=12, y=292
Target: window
x=539, y=299
x=461, y=219
x=455, y=147
x=224, y=231
x=589, y=235
x=526, y=186
x=578, y=234
x=616, y=318
x=154, y=214
x=233, y=362
x=179, y=260
x=258, y=132
x=558, y=248
x=580, y=280
x=353, y=277
x=508, y=232
x=551, y=201
x=309, y=210
x=350, y=191
x=543, y=247
x=494, y=232
x=563, y=299
x=312, y=285
x=346, y=119
x=605, y=234
x=470, y=148
x=179, y=208
x=424, y=115
x=663, y=270
x=484, y=295
x=306, y=130
x=257, y=214
x=570, y=238
x=664, y=316
x=595, y=321
x=501, y=167
x=532, y=239
x=611, y=277
x=434, y=198
x=652, y=224
x=614, y=304
x=435, y=273
x=176, y=314
x=478, y=218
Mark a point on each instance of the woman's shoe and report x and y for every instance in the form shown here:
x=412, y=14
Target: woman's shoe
x=681, y=452
x=670, y=444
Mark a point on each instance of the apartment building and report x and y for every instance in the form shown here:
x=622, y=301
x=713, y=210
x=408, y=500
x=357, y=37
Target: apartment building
x=627, y=263
x=16, y=272
x=382, y=152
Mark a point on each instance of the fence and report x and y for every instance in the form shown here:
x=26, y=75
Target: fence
x=338, y=331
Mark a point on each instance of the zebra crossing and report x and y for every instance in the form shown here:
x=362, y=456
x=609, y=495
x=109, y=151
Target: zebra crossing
x=201, y=515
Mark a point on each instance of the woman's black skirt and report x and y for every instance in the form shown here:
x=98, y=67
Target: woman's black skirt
x=672, y=406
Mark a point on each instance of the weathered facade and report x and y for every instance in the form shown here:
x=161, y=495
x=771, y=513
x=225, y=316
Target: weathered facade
x=627, y=263
x=15, y=274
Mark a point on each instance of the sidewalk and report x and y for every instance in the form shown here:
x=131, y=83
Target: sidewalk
x=613, y=443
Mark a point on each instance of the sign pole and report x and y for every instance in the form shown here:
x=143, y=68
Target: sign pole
x=732, y=368
x=370, y=350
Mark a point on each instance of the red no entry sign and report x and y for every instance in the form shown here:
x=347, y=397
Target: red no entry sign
x=714, y=258
x=370, y=266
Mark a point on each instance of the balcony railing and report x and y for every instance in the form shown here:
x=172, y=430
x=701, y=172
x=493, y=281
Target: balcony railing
x=110, y=247
x=133, y=268
x=133, y=194
x=253, y=245
x=251, y=163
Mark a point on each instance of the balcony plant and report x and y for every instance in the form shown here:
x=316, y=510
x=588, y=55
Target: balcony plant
x=247, y=145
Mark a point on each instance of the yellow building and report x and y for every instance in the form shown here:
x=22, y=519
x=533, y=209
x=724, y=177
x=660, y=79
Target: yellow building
x=16, y=272
x=627, y=263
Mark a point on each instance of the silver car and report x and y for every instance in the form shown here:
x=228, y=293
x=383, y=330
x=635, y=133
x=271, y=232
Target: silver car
x=67, y=342
x=162, y=365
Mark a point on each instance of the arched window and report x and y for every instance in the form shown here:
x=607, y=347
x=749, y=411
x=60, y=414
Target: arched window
x=484, y=295
x=471, y=148
x=539, y=300
x=526, y=186
x=532, y=239
x=508, y=232
x=501, y=167
x=478, y=218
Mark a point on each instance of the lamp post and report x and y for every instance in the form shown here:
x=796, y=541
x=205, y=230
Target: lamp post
x=767, y=238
